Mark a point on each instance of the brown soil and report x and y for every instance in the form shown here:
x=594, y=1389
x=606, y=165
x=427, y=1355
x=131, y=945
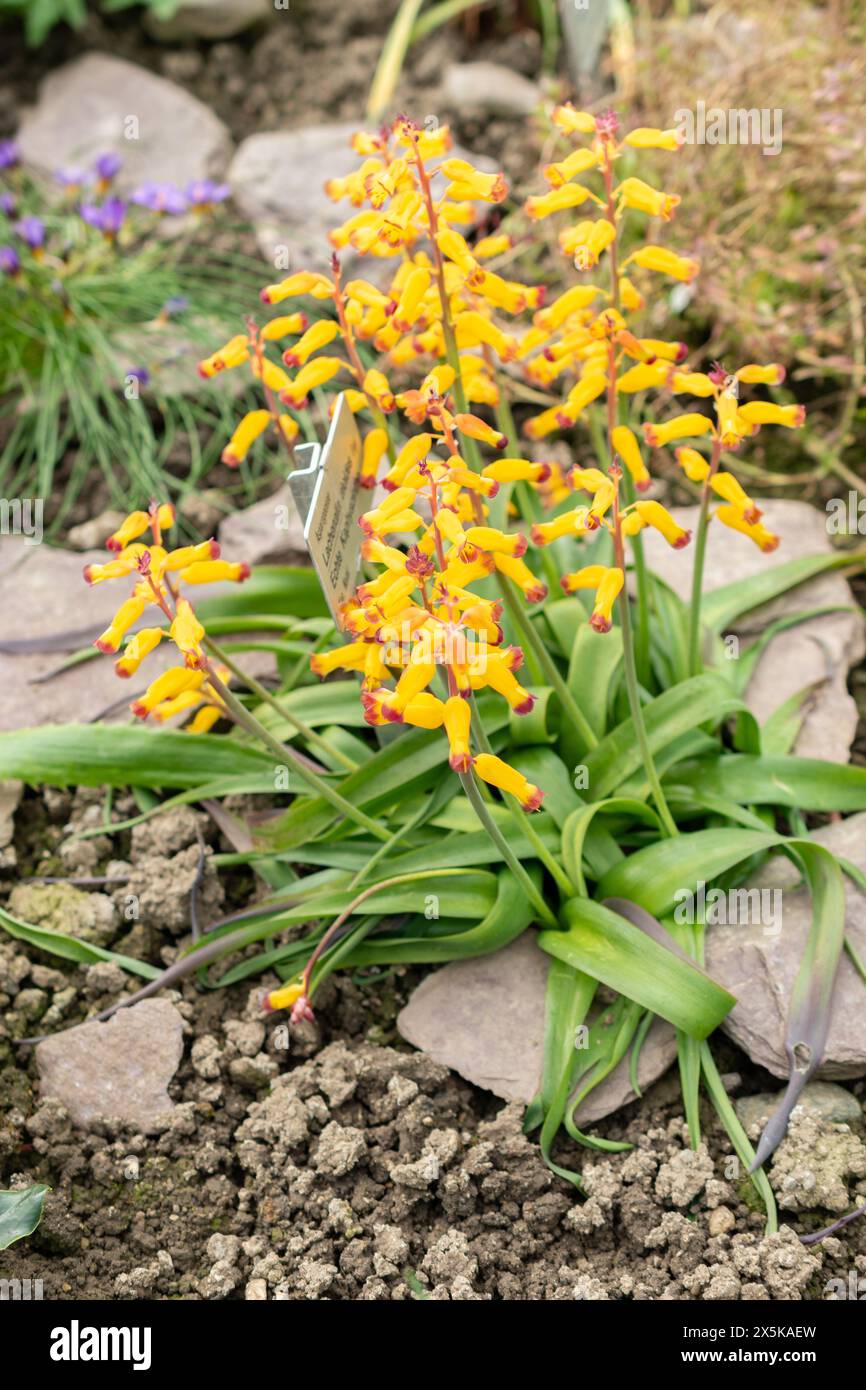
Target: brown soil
x=348, y=1167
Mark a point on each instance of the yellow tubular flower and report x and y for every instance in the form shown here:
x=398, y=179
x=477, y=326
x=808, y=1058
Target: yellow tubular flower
x=416, y=677
x=204, y=719
x=517, y=471
x=532, y=588
x=499, y=774
x=567, y=524
x=578, y=162
x=634, y=193
x=209, y=571
x=295, y=391
x=134, y=526
x=425, y=711
x=756, y=531
x=691, y=383
x=655, y=515
x=568, y=195
x=693, y=464
x=587, y=578
x=475, y=428
x=285, y=996
x=606, y=595
x=646, y=138
x=254, y=423
x=680, y=427
x=626, y=445
x=765, y=413
x=496, y=542
x=319, y=335
x=375, y=445
x=175, y=681
x=755, y=375
x=126, y=563
x=304, y=282
x=726, y=486
x=376, y=384
x=190, y=555
x=572, y=122
x=284, y=326
x=468, y=182
x=146, y=640
x=127, y=614
x=642, y=377
x=179, y=704
x=231, y=354
x=457, y=720
x=490, y=246
x=186, y=631
x=665, y=262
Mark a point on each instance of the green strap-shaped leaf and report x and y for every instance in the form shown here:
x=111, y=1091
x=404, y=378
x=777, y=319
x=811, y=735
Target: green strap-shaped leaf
x=95, y=755
x=720, y=607
x=806, y=783
x=702, y=699
x=21, y=1212
x=652, y=877
x=613, y=950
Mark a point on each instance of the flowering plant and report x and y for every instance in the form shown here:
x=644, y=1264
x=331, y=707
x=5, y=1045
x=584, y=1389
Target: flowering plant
x=628, y=764
x=102, y=295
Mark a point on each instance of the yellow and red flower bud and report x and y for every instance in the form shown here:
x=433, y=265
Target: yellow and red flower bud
x=655, y=515
x=317, y=336
x=175, y=681
x=499, y=774
x=303, y=282
x=127, y=614
x=680, y=427
x=756, y=531
x=693, y=464
x=765, y=413
x=253, y=424
x=626, y=445
x=146, y=640
x=210, y=571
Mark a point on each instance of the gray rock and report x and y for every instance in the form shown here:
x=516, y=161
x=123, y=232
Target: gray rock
x=210, y=19
x=758, y=965
x=10, y=798
x=88, y=106
x=822, y=649
x=62, y=908
x=277, y=180
x=484, y=1018
x=489, y=86
x=93, y=533
x=267, y=533
x=118, y=1069
x=821, y=1099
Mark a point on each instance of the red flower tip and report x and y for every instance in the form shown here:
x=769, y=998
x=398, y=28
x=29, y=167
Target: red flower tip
x=520, y=545
x=543, y=473
x=367, y=482
x=493, y=489
x=265, y=1002
x=365, y=526
x=460, y=762
x=264, y=296
x=202, y=371
x=525, y=706
x=682, y=352
x=800, y=415
x=290, y=358
x=548, y=354
x=228, y=458
x=533, y=802
x=536, y=535
x=564, y=421
x=599, y=622
x=503, y=439
x=392, y=715
x=139, y=710
x=682, y=541
x=104, y=646
x=113, y=544
x=536, y=593
x=214, y=548
x=87, y=572
x=643, y=484
x=244, y=572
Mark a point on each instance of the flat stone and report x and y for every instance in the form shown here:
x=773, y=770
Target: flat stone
x=10, y=798
x=269, y=532
x=88, y=106
x=43, y=592
x=490, y=87
x=758, y=965
x=278, y=182
x=822, y=1099
x=821, y=649
x=484, y=1018
x=93, y=533
x=119, y=1069
x=210, y=19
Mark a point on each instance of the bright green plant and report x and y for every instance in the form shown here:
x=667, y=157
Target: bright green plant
x=39, y=17
x=629, y=766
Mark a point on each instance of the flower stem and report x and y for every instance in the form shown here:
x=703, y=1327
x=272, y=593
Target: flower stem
x=267, y=698
x=698, y=572
x=548, y=665
x=288, y=755
x=477, y=802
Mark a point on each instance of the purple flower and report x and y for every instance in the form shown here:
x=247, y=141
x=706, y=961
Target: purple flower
x=205, y=193
x=7, y=204
x=160, y=197
x=173, y=306
x=72, y=178
x=10, y=156
x=107, y=165
x=31, y=230
x=10, y=262
x=107, y=218
x=139, y=374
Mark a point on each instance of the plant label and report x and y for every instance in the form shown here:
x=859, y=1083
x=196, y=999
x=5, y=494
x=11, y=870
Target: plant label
x=330, y=499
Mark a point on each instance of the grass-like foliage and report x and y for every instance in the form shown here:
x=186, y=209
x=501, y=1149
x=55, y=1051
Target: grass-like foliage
x=106, y=305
